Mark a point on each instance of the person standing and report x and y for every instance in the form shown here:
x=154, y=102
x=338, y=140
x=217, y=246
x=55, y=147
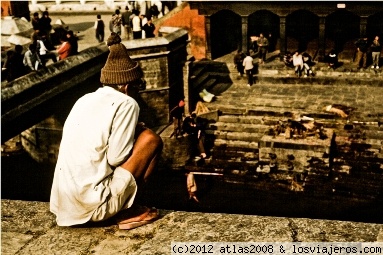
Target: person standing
x=46, y=27
x=117, y=22
x=361, y=52
x=136, y=25
x=263, y=45
x=238, y=62
x=248, y=66
x=149, y=28
x=376, y=48
x=105, y=154
x=99, y=26
x=177, y=113
x=36, y=22
x=126, y=22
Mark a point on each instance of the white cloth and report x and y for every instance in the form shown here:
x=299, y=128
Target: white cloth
x=98, y=136
x=248, y=63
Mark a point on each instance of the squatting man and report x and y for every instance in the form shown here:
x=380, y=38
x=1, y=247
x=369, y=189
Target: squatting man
x=105, y=153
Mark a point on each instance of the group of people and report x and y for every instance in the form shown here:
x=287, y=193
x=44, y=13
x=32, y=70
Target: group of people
x=364, y=48
x=40, y=50
x=193, y=126
x=301, y=62
x=131, y=22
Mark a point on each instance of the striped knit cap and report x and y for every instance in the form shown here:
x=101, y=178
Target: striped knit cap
x=119, y=68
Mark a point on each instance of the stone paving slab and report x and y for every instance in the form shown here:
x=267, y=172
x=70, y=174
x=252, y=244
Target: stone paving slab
x=29, y=228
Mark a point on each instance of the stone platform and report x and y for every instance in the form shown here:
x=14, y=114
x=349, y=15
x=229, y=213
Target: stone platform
x=29, y=228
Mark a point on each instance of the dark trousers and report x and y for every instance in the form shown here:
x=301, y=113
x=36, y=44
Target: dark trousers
x=100, y=36
x=137, y=34
x=47, y=56
x=249, y=74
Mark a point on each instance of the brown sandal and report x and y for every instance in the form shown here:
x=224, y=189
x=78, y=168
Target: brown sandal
x=147, y=216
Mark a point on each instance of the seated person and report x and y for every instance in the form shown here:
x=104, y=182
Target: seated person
x=307, y=63
x=288, y=59
x=332, y=59
x=105, y=153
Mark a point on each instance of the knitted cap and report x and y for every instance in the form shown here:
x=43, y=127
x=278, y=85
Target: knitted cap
x=119, y=68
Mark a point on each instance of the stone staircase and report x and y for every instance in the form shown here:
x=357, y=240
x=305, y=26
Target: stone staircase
x=249, y=143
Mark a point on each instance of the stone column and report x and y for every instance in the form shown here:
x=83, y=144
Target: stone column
x=322, y=39
x=208, y=41
x=282, y=36
x=363, y=26
x=245, y=39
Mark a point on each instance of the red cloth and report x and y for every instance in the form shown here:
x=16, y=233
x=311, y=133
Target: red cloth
x=64, y=50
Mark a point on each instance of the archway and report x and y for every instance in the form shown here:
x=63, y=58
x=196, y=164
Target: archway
x=375, y=26
x=341, y=27
x=265, y=22
x=225, y=32
x=303, y=27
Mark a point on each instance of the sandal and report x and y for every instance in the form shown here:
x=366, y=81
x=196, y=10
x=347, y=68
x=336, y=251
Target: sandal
x=128, y=220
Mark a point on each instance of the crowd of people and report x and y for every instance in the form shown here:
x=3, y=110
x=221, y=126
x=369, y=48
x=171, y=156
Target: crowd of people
x=129, y=24
x=41, y=49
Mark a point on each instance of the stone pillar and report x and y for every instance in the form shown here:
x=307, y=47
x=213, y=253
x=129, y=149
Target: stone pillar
x=208, y=41
x=245, y=39
x=363, y=26
x=322, y=39
x=282, y=36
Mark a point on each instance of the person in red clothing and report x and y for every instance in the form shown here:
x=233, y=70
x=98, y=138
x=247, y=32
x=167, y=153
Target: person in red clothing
x=64, y=49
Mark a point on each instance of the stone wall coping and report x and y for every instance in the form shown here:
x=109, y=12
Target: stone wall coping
x=156, y=42
x=28, y=227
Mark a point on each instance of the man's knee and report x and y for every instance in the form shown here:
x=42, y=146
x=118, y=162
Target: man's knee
x=152, y=139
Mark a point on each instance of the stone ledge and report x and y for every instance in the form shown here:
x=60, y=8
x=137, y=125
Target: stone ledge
x=29, y=228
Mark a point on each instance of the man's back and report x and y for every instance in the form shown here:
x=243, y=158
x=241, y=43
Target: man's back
x=97, y=136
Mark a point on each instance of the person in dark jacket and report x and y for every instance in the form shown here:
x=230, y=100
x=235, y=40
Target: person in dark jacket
x=99, y=26
x=14, y=65
x=361, y=52
x=238, y=62
x=149, y=28
x=72, y=40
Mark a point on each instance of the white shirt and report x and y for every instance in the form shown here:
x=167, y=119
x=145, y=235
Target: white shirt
x=98, y=135
x=136, y=21
x=43, y=49
x=297, y=60
x=248, y=63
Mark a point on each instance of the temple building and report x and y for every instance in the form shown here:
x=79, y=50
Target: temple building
x=229, y=25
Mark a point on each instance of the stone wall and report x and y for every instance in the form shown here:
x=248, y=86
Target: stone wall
x=162, y=60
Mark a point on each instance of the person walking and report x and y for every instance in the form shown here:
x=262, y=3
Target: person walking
x=99, y=27
x=376, y=48
x=263, y=45
x=117, y=22
x=103, y=164
x=126, y=22
x=238, y=62
x=248, y=66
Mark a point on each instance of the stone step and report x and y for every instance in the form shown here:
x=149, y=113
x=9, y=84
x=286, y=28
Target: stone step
x=240, y=127
x=242, y=136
